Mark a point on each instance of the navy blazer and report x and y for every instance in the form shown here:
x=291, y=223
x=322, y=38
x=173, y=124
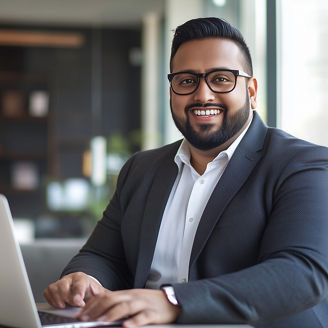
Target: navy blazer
x=260, y=254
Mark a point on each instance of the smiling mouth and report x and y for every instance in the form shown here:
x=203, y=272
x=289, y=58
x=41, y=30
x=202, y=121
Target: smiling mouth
x=207, y=112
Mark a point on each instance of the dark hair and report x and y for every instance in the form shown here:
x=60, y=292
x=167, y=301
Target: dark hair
x=207, y=27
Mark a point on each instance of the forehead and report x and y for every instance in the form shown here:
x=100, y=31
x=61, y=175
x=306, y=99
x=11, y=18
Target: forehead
x=205, y=54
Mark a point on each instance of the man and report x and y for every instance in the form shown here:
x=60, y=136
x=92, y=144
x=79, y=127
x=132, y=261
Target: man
x=234, y=218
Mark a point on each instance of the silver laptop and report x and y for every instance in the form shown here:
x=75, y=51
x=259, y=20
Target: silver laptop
x=17, y=305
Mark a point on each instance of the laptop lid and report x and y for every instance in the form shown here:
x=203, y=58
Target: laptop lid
x=17, y=305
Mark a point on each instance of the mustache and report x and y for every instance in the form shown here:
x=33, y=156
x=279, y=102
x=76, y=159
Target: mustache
x=204, y=105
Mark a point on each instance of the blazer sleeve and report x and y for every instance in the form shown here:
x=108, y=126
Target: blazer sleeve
x=291, y=274
x=103, y=257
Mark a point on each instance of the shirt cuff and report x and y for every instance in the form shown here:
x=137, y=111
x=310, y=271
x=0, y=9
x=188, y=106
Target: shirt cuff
x=95, y=280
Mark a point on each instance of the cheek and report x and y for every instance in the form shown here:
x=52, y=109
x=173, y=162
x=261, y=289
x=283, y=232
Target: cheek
x=237, y=99
x=178, y=104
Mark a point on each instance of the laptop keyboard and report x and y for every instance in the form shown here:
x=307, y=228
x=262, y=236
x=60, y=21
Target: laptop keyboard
x=51, y=319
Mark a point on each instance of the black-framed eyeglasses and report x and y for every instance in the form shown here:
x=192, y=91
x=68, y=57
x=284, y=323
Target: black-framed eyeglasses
x=218, y=80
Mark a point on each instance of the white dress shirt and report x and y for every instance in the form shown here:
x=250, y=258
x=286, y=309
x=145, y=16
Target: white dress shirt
x=186, y=203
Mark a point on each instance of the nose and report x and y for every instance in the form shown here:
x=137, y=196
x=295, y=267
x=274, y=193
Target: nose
x=203, y=93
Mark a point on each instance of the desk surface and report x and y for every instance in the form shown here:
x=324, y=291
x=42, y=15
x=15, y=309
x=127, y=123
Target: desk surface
x=70, y=312
x=185, y=326
x=199, y=326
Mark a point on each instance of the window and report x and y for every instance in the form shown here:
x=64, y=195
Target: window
x=303, y=68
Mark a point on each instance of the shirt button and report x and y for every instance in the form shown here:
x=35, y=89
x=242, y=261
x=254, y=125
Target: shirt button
x=201, y=181
x=191, y=220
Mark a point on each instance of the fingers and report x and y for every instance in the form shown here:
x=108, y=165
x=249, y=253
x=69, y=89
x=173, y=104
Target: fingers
x=55, y=293
x=77, y=291
x=140, y=319
x=71, y=290
x=135, y=307
x=105, y=307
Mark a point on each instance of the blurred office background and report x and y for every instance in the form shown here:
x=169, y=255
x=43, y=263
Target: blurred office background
x=83, y=86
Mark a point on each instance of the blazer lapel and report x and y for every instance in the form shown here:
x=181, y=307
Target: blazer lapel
x=158, y=195
x=239, y=168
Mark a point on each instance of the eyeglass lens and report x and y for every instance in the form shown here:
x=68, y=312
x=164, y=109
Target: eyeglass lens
x=218, y=81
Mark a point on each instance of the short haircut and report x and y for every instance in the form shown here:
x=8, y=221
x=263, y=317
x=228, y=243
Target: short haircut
x=209, y=27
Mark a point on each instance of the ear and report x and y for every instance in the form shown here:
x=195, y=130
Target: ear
x=252, y=91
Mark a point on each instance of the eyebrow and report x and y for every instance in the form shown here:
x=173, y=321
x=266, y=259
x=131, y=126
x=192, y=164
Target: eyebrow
x=208, y=70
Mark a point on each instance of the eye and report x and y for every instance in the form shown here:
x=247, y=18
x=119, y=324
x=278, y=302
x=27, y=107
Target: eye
x=184, y=80
x=188, y=81
x=221, y=78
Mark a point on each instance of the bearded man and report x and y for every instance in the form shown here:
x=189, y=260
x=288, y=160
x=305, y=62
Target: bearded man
x=229, y=225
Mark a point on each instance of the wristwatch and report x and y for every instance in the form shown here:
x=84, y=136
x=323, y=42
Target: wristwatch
x=170, y=294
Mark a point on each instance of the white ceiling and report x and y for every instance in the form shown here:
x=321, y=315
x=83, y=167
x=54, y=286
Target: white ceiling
x=78, y=12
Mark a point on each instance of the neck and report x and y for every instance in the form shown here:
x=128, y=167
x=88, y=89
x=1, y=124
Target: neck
x=200, y=158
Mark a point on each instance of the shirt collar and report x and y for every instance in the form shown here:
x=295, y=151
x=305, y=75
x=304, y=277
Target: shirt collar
x=183, y=154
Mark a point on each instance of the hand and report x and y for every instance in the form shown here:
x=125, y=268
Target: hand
x=140, y=306
x=73, y=289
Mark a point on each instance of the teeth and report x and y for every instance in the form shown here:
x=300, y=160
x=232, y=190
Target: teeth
x=206, y=112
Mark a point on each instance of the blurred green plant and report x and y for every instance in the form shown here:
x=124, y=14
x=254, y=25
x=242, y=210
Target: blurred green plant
x=124, y=145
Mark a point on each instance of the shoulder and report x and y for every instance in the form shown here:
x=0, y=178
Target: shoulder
x=151, y=159
x=286, y=156
x=167, y=151
x=274, y=142
x=147, y=162
x=285, y=145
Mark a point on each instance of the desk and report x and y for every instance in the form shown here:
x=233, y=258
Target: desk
x=47, y=307
x=199, y=326
x=185, y=326
x=69, y=312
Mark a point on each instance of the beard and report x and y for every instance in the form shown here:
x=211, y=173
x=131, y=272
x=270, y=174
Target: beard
x=205, y=139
